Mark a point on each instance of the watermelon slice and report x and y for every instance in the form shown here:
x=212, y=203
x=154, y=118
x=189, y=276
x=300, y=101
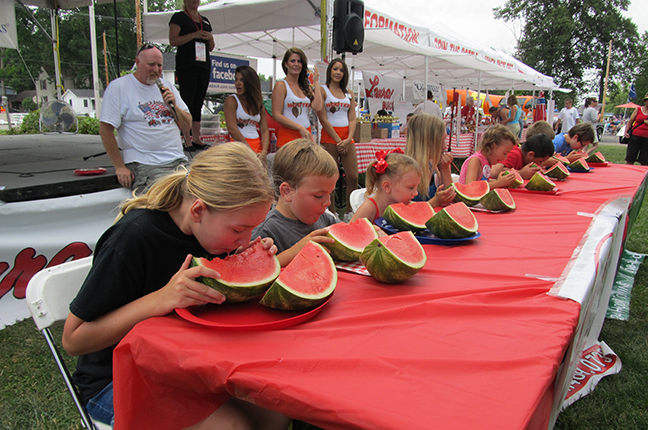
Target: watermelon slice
x=394, y=258
x=453, y=222
x=517, y=182
x=411, y=217
x=561, y=159
x=350, y=239
x=498, y=199
x=244, y=276
x=540, y=182
x=472, y=193
x=305, y=283
x=579, y=164
x=596, y=157
x=557, y=171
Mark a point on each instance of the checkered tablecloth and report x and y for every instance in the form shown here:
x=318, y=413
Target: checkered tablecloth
x=366, y=151
x=353, y=266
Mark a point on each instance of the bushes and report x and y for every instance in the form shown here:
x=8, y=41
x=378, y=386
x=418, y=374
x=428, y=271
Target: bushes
x=88, y=125
x=30, y=123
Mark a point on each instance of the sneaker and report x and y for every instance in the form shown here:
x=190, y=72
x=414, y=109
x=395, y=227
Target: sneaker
x=347, y=217
x=189, y=149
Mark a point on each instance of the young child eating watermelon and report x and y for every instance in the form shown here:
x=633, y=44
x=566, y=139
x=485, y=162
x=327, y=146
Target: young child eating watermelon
x=569, y=144
x=304, y=177
x=392, y=178
x=526, y=159
x=497, y=142
x=141, y=267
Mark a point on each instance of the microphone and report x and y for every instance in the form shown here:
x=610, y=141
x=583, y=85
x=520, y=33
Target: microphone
x=160, y=85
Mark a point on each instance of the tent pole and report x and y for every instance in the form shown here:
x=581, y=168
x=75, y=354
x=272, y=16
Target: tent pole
x=95, y=66
x=323, y=29
x=477, y=113
x=116, y=37
x=57, y=70
x=425, y=90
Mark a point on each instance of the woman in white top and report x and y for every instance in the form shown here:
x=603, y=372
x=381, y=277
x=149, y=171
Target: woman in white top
x=338, y=118
x=245, y=115
x=293, y=96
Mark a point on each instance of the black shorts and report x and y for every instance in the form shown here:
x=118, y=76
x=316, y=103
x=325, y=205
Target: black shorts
x=193, y=83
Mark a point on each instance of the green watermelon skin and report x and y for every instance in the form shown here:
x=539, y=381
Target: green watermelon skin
x=280, y=297
x=234, y=293
x=579, y=164
x=518, y=179
x=539, y=182
x=386, y=267
x=557, y=171
x=468, y=200
x=494, y=200
x=398, y=222
x=314, y=262
x=597, y=157
x=342, y=252
x=442, y=225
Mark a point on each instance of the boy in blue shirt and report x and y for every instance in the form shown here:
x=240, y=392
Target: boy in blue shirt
x=578, y=137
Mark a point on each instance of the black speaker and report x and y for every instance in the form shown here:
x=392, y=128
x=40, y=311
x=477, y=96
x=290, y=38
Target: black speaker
x=348, y=26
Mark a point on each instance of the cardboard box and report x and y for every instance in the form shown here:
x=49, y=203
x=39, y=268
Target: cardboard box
x=393, y=129
x=379, y=133
x=362, y=132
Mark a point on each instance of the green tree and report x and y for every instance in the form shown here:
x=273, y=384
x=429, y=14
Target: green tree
x=569, y=39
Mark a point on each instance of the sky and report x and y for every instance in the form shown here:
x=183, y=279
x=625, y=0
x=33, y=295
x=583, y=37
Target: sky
x=471, y=20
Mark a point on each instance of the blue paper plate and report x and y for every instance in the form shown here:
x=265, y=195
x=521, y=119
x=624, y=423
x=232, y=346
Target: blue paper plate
x=580, y=170
x=425, y=237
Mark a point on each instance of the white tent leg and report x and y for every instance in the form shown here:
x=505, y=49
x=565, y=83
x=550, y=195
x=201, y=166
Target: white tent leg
x=57, y=72
x=95, y=67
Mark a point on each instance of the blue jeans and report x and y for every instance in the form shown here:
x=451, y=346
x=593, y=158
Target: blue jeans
x=100, y=407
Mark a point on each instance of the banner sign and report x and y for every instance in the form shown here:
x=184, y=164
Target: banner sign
x=595, y=363
x=619, y=305
x=387, y=90
x=43, y=233
x=404, y=31
x=421, y=94
x=222, y=75
x=8, y=35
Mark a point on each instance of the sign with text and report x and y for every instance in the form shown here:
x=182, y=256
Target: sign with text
x=8, y=36
x=379, y=87
x=222, y=75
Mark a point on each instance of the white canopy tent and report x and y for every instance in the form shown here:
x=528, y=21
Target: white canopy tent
x=266, y=28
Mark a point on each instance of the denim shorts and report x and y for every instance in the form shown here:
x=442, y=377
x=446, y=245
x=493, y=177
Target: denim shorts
x=100, y=407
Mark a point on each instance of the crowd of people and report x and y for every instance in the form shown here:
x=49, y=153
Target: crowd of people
x=227, y=198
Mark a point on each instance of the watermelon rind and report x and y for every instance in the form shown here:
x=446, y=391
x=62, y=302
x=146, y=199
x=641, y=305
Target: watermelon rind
x=281, y=296
x=518, y=179
x=398, y=220
x=540, y=182
x=237, y=292
x=557, y=171
x=442, y=225
x=343, y=251
x=561, y=159
x=385, y=266
x=461, y=194
x=496, y=199
x=579, y=164
x=596, y=157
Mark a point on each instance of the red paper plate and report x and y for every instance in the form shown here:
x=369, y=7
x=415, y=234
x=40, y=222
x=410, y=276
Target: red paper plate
x=248, y=316
x=604, y=164
x=553, y=192
x=89, y=172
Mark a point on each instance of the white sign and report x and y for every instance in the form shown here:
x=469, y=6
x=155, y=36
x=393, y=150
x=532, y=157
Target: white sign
x=420, y=94
x=8, y=36
x=383, y=89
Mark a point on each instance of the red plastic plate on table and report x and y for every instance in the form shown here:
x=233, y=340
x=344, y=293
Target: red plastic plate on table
x=603, y=164
x=90, y=172
x=553, y=192
x=248, y=316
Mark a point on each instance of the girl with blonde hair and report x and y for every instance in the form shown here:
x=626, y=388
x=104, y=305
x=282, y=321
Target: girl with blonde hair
x=141, y=267
x=497, y=142
x=392, y=178
x=426, y=135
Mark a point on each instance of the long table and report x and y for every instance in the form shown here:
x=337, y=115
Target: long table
x=477, y=339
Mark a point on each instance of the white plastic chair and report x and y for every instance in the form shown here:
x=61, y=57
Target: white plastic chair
x=48, y=295
x=356, y=198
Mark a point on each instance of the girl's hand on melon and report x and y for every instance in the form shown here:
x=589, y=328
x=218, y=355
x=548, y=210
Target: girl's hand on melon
x=183, y=290
x=503, y=181
x=267, y=243
x=443, y=197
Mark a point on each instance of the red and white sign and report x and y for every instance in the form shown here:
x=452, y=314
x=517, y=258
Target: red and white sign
x=378, y=20
x=382, y=91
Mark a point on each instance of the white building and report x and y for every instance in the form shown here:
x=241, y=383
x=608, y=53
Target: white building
x=82, y=101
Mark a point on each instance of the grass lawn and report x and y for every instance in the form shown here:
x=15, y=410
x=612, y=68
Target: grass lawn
x=33, y=396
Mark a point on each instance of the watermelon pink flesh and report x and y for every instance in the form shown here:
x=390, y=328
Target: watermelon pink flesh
x=310, y=272
x=405, y=247
x=357, y=234
x=474, y=190
x=462, y=216
x=415, y=212
x=246, y=268
x=505, y=195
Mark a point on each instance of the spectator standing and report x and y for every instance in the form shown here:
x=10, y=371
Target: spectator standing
x=591, y=116
x=567, y=117
x=637, y=130
x=429, y=107
x=191, y=33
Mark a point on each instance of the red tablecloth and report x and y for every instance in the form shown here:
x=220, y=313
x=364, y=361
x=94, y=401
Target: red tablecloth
x=473, y=341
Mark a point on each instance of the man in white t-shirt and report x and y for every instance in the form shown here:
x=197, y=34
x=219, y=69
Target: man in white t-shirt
x=429, y=107
x=568, y=117
x=146, y=121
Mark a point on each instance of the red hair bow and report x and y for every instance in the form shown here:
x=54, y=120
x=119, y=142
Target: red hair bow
x=381, y=165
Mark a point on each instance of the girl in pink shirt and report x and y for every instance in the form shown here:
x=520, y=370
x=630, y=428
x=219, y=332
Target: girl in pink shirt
x=495, y=145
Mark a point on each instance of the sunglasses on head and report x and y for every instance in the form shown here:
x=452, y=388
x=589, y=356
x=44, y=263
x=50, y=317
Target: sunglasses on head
x=146, y=46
